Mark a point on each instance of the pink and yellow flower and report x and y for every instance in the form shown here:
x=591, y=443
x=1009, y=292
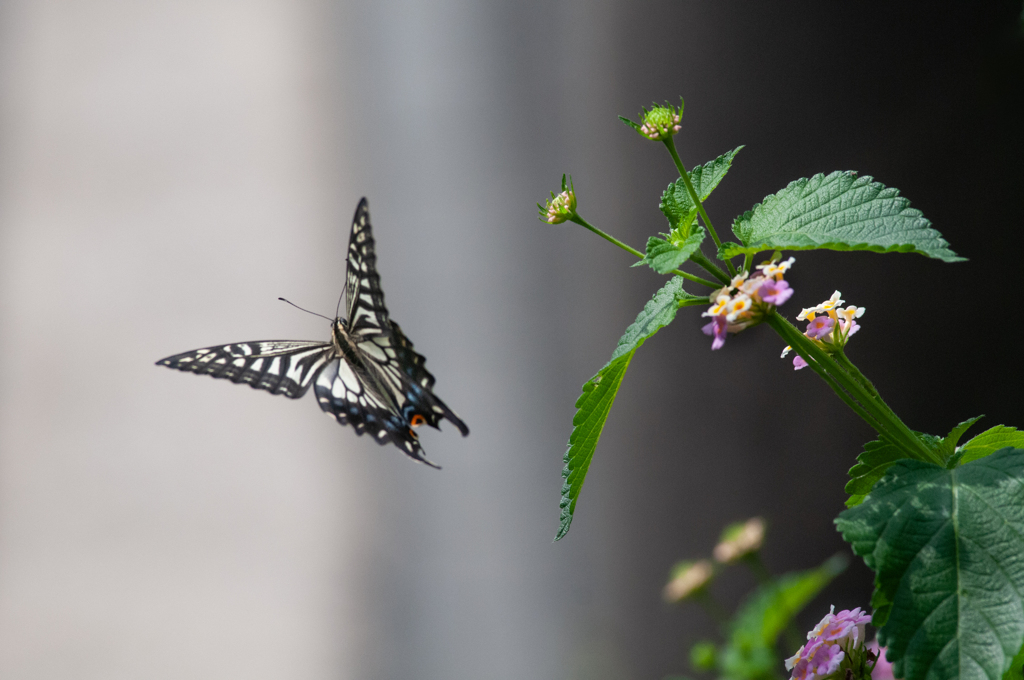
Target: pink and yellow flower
x=746, y=299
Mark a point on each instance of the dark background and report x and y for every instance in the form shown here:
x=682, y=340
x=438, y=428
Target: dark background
x=924, y=97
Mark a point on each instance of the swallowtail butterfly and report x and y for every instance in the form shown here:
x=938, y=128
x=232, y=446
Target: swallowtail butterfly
x=368, y=375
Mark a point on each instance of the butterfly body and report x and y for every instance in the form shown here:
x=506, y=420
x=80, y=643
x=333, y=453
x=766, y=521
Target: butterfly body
x=368, y=375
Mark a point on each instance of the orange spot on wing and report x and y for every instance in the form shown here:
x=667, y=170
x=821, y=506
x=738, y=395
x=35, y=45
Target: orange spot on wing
x=418, y=420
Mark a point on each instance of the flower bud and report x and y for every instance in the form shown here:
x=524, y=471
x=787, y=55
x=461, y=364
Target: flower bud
x=739, y=540
x=660, y=123
x=561, y=207
x=687, y=578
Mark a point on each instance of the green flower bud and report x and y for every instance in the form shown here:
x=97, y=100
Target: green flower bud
x=660, y=123
x=561, y=207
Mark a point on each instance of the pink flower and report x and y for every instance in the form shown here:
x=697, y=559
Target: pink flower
x=819, y=326
x=775, y=292
x=883, y=669
x=847, y=625
x=814, y=660
x=717, y=328
x=799, y=362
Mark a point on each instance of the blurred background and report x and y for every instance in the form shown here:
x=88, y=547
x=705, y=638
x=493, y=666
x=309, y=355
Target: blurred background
x=168, y=169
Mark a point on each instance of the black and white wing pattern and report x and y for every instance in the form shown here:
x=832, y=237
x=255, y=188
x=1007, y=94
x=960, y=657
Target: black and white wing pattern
x=368, y=376
x=285, y=367
x=381, y=386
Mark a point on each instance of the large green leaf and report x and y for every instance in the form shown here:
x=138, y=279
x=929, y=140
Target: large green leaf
x=676, y=203
x=991, y=440
x=595, y=403
x=750, y=650
x=666, y=254
x=947, y=547
x=839, y=211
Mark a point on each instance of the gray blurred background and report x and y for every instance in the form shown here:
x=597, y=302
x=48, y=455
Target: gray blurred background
x=168, y=169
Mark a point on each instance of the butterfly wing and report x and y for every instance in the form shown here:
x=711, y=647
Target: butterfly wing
x=408, y=378
x=285, y=367
x=380, y=339
x=364, y=300
x=353, y=394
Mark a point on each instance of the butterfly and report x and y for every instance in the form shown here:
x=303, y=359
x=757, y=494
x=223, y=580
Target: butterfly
x=368, y=375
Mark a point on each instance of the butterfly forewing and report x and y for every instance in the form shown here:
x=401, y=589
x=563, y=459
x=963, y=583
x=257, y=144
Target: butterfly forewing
x=285, y=367
x=364, y=299
x=379, y=338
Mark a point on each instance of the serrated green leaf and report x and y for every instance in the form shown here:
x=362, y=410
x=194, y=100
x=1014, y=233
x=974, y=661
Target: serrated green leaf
x=878, y=455
x=871, y=465
x=598, y=395
x=665, y=255
x=676, y=203
x=839, y=211
x=991, y=440
x=750, y=650
x=947, y=447
x=947, y=547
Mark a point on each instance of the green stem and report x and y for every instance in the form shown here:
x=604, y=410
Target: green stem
x=583, y=223
x=686, y=275
x=711, y=606
x=879, y=415
x=713, y=269
x=761, y=573
x=685, y=176
x=695, y=279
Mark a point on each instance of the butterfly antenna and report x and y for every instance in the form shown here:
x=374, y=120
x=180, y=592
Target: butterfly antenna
x=305, y=310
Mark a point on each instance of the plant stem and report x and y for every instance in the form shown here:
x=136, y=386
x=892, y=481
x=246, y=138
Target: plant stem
x=685, y=176
x=711, y=606
x=695, y=279
x=686, y=275
x=713, y=269
x=869, y=405
x=761, y=573
x=583, y=223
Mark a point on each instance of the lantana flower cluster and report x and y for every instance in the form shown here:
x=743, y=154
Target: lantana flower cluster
x=746, y=300
x=828, y=325
x=837, y=638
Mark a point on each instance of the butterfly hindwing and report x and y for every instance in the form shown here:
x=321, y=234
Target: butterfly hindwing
x=408, y=378
x=344, y=391
x=285, y=367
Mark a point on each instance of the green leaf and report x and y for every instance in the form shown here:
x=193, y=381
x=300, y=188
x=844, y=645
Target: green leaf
x=665, y=255
x=947, y=447
x=598, y=395
x=878, y=455
x=750, y=650
x=947, y=547
x=871, y=465
x=990, y=441
x=1016, y=668
x=676, y=203
x=839, y=211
